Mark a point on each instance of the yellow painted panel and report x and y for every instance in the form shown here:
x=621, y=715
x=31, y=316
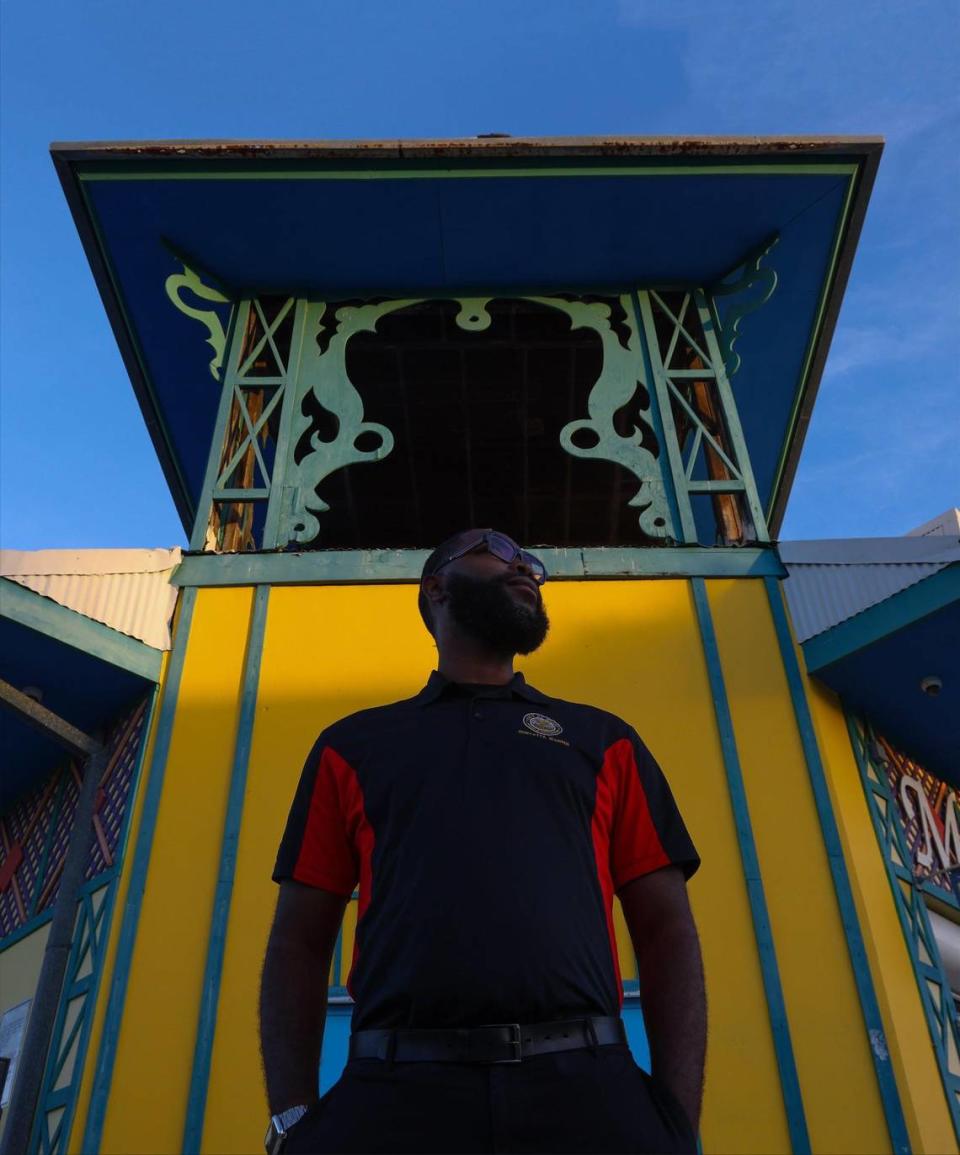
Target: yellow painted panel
x=905, y=1025
x=631, y=647
x=634, y=648
x=19, y=973
x=151, y=1078
x=75, y=1137
x=837, y=1079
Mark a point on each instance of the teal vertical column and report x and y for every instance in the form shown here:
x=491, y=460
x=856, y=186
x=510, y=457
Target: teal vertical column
x=873, y=1021
x=278, y=491
x=667, y=431
x=116, y=999
x=237, y=327
x=219, y=922
x=763, y=932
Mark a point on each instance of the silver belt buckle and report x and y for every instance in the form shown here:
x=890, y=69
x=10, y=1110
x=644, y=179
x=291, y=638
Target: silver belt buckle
x=516, y=1042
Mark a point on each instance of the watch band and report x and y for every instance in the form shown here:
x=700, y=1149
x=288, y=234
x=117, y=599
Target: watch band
x=279, y=1125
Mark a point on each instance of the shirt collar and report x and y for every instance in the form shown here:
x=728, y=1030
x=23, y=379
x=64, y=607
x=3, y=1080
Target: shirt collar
x=517, y=686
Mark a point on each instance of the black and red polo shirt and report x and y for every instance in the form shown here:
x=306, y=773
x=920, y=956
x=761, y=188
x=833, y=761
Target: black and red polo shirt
x=489, y=828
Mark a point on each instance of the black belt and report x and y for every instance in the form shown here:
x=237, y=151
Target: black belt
x=491, y=1043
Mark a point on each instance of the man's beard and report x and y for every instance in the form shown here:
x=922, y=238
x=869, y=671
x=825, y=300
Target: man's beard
x=491, y=614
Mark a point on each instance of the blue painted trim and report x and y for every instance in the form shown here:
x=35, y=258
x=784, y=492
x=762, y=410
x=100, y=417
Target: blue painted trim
x=25, y=929
x=334, y=567
x=103, y=1075
x=110, y=901
x=769, y=968
x=33, y=610
x=895, y=613
x=92, y=923
x=219, y=923
x=890, y=822
x=45, y=916
x=873, y=1020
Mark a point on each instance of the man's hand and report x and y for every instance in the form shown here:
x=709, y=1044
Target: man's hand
x=293, y=991
x=672, y=994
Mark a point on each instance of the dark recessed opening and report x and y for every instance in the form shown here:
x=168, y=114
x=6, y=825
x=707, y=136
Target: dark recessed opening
x=476, y=417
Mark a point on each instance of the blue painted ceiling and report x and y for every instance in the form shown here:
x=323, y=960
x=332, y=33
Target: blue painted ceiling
x=303, y=232
x=84, y=690
x=882, y=681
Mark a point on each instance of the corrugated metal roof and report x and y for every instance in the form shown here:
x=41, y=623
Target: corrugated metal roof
x=830, y=581
x=126, y=589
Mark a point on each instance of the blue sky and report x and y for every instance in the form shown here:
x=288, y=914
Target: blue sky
x=883, y=451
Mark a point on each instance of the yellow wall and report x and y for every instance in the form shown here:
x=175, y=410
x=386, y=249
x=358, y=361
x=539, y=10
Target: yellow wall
x=908, y=1036
x=630, y=646
x=831, y=1048
x=151, y=1077
x=19, y=973
x=634, y=650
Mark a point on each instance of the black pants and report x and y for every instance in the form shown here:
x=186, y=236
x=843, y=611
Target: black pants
x=583, y=1100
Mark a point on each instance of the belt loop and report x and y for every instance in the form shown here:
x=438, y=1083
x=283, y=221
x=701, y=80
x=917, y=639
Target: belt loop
x=391, y=1049
x=592, y=1036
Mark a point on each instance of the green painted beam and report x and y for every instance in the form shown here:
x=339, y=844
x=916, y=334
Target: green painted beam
x=22, y=605
x=885, y=618
x=333, y=567
x=180, y=170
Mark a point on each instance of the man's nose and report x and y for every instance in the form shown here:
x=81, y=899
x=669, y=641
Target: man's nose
x=522, y=567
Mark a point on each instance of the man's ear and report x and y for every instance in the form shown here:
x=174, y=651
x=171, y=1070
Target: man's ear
x=433, y=589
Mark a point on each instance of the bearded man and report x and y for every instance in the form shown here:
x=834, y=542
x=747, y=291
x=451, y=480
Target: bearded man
x=489, y=826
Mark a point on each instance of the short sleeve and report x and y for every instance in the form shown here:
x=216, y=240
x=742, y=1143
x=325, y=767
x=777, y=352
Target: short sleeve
x=317, y=848
x=648, y=832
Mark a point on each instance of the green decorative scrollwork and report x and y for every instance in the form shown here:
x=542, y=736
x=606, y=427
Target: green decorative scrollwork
x=616, y=386
x=324, y=373
x=752, y=277
x=217, y=337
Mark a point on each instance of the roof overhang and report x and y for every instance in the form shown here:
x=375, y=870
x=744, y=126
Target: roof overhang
x=877, y=660
x=87, y=673
x=512, y=215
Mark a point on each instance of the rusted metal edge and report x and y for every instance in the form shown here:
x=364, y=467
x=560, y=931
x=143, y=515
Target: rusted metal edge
x=471, y=148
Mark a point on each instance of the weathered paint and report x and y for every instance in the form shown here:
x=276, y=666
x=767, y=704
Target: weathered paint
x=404, y=565
x=913, y=1057
x=157, y=1035
x=830, y=1041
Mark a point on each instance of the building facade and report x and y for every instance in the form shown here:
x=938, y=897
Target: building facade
x=609, y=350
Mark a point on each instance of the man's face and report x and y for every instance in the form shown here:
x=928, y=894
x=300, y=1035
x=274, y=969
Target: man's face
x=496, y=603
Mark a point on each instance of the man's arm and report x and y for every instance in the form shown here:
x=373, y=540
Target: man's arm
x=672, y=994
x=293, y=991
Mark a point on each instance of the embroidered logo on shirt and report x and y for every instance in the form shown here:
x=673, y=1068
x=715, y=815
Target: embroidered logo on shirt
x=542, y=725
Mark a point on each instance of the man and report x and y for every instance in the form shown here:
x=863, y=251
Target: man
x=489, y=826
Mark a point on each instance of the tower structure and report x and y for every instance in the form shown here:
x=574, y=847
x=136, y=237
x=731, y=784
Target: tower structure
x=608, y=348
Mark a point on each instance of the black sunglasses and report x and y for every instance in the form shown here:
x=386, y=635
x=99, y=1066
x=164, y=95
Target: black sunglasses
x=503, y=548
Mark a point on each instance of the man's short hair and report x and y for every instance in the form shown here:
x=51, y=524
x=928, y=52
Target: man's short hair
x=435, y=560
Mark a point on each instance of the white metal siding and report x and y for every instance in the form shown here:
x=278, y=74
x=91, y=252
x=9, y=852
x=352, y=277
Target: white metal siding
x=821, y=596
x=128, y=590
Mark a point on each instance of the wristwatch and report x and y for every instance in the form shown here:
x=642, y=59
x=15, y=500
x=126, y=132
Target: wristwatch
x=280, y=1125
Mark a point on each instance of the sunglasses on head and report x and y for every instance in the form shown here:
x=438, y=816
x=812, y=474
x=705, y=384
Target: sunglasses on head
x=501, y=547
